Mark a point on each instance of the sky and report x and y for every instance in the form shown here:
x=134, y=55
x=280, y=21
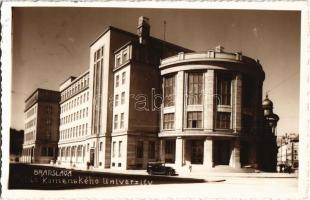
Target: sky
x=51, y=44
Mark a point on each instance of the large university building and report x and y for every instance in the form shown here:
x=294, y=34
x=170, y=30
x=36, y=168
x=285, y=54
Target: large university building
x=144, y=99
x=41, y=132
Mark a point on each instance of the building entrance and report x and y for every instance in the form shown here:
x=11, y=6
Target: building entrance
x=222, y=152
x=196, y=152
x=92, y=157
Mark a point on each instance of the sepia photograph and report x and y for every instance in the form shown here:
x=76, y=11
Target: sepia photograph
x=162, y=102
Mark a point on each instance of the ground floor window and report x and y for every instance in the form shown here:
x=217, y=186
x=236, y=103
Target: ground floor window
x=120, y=149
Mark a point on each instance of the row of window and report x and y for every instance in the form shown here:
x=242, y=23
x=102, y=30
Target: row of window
x=123, y=79
x=31, y=112
x=139, y=149
x=122, y=57
x=116, y=103
x=195, y=85
x=97, y=88
x=69, y=152
x=74, y=116
x=75, y=102
x=194, y=120
x=31, y=123
x=30, y=136
x=121, y=125
x=74, y=132
x=75, y=88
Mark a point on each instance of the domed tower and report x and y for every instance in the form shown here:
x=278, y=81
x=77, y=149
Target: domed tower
x=271, y=119
x=268, y=138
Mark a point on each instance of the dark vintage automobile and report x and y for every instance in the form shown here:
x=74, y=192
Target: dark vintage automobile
x=158, y=168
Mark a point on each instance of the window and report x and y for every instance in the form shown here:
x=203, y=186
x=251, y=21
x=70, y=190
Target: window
x=117, y=81
x=194, y=120
x=122, y=121
x=118, y=61
x=169, y=121
x=120, y=149
x=123, y=98
x=169, y=146
x=125, y=57
x=169, y=91
x=223, y=89
x=113, y=149
x=115, y=121
x=223, y=120
x=151, y=150
x=123, y=77
x=195, y=88
x=139, y=149
x=100, y=146
x=116, y=100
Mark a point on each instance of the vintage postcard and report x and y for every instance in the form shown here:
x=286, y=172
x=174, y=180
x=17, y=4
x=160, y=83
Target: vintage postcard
x=155, y=100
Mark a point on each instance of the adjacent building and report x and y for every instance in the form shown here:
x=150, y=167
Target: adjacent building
x=16, y=144
x=267, y=140
x=41, y=132
x=288, y=151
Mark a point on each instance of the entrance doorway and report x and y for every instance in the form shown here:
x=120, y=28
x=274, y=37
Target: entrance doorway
x=196, y=152
x=92, y=157
x=222, y=152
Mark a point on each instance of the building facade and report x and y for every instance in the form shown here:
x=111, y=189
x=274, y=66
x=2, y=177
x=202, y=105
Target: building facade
x=41, y=132
x=288, y=152
x=211, y=112
x=75, y=121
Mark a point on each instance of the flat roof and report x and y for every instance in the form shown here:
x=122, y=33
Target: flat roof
x=40, y=89
x=135, y=35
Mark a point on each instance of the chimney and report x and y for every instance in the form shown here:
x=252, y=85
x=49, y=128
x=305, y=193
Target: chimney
x=143, y=30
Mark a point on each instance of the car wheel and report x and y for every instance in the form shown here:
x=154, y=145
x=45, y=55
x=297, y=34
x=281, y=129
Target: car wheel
x=170, y=173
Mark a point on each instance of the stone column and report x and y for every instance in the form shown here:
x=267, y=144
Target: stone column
x=237, y=103
x=179, y=100
x=208, y=100
x=235, y=154
x=208, y=152
x=162, y=150
x=179, y=151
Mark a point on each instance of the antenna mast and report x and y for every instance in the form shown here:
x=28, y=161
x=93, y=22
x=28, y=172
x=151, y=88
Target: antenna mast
x=165, y=30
